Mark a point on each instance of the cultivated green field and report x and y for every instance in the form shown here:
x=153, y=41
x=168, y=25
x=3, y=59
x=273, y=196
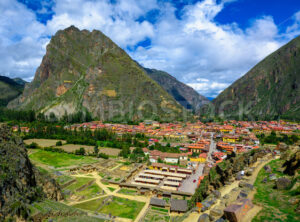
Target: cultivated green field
x=92, y=205
x=60, y=159
x=121, y=207
x=127, y=191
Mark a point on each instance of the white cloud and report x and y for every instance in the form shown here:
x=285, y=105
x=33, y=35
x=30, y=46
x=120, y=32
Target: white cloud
x=21, y=40
x=195, y=49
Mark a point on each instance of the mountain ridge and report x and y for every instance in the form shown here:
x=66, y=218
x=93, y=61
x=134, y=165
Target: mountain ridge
x=271, y=89
x=10, y=89
x=87, y=71
x=182, y=93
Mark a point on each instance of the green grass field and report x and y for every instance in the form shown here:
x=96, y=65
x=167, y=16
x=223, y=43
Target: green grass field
x=60, y=159
x=121, y=207
x=90, y=192
x=127, y=191
x=111, y=189
x=76, y=219
x=274, y=202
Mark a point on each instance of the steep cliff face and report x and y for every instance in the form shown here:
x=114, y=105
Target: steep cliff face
x=20, y=182
x=182, y=93
x=270, y=89
x=86, y=71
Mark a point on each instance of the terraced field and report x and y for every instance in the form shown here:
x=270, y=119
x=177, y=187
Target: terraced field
x=116, y=206
x=156, y=214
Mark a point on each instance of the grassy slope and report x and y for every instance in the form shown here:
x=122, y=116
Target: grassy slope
x=275, y=202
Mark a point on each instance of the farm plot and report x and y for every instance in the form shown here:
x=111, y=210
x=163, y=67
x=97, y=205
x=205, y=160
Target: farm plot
x=110, y=151
x=73, y=147
x=43, y=142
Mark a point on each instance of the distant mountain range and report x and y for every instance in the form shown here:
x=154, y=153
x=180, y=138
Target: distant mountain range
x=86, y=71
x=184, y=94
x=10, y=89
x=269, y=90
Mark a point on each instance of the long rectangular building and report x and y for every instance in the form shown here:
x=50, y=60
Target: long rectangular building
x=163, y=173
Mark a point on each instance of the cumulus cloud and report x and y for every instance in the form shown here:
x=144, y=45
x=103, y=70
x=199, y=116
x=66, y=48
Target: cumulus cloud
x=194, y=48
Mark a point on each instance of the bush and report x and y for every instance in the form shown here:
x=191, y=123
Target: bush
x=58, y=143
x=80, y=151
x=103, y=155
x=33, y=145
x=52, y=149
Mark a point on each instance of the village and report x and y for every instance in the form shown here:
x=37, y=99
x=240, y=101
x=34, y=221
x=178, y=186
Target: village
x=164, y=184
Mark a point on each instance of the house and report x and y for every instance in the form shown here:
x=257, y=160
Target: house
x=158, y=202
x=178, y=206
x=230, y=138
x=199, y=147
x=154, y=155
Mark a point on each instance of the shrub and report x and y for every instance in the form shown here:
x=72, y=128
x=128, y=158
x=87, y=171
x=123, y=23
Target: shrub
x=33, y=145
x=80, y=151
x=58, y=143
x=103, y=155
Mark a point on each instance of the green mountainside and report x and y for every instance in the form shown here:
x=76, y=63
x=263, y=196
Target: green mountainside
x=269, y=90
x=9, y=89
x=184, y=94
x=86, y=71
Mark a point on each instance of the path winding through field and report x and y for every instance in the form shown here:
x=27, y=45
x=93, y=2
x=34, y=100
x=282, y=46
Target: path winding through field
x=115, y=193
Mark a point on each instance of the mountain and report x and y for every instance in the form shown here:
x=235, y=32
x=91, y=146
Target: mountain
x=270, y=90
x=9, y=89
x=20, y=81
x=182, y=93
x=86, y=71
x=21, y=183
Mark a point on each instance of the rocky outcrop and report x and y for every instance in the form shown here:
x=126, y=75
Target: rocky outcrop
x=20, y=182
x=292, y=165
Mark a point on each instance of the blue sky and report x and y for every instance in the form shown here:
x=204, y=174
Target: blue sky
x=207, y=44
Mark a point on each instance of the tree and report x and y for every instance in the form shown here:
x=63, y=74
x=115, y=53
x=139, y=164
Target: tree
x=159, y=160
x=96, y=150
x=58, y=143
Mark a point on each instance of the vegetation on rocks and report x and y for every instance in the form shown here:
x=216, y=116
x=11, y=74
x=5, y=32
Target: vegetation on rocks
x=20, y=182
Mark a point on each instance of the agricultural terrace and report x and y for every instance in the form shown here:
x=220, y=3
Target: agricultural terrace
x=115, y=206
